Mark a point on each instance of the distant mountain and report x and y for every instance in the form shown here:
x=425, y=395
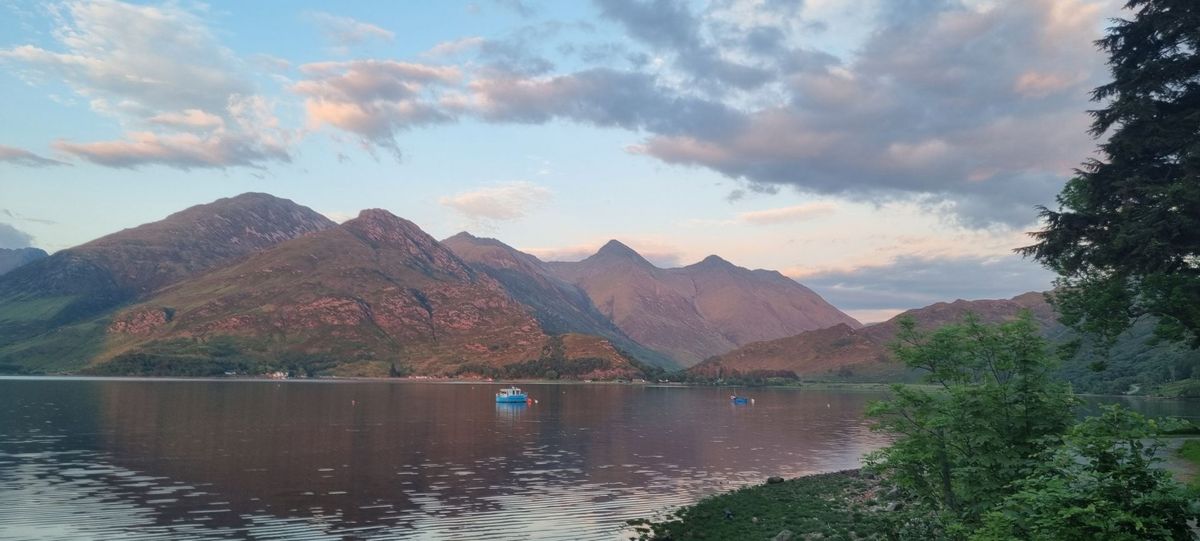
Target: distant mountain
x=694, y=312
x=51, y=310
x=11, y=258
x=373, y=296
x=88, y=279
x=865, y=353
x=559, y=306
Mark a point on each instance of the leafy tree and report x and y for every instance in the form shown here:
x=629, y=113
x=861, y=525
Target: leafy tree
x=1126, y=237
x=995, y=410
x=1101, y=485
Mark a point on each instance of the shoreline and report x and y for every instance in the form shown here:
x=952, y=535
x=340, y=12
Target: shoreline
x=809, y=386
x=844, y=504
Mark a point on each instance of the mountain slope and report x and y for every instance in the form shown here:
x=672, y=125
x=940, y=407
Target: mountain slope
x=865, y=352
x=11, y=258
x=1136, y=363
x=376, y=289
x=694, y=312
x=79, y=283
x=371, y=296
x=560, y=307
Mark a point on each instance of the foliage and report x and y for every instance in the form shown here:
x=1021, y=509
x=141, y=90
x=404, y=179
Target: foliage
x=65, y=349
x=650, y=372
x=1102, y=484
x=1180, y=389
x=994, y=411
x=216, y=356
x=554, y=368
x=1126, y=237
x=1136, y=363
x=1190, y=450
x=555, y=364
x=156, y=364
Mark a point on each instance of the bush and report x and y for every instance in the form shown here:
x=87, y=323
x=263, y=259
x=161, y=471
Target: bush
x=994, y=413
x=1102, y=484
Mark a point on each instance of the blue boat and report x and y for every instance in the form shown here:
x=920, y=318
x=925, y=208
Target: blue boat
x=511, y=395
x=739, y=399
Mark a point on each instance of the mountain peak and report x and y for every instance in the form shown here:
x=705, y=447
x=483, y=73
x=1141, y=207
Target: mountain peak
x=377, y=215
x=379, y=225
x=254, y=196
x=461, y=236
x=714, y=262
x=615, y=248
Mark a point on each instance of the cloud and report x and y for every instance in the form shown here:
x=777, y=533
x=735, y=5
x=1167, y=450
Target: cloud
x=189, y=119
x=339, y=216
x=672, y=27
x=916, y=281
x=455, y=47
x=18, y=216
x=980, y=106
x=26, y=158
x=253, y=139
x=374, y=99
x=601, y=97
x=345, y=32
x=797, y=213
x=520, y=7
x=139, y=59
x=976, y=109
x=11, y=237
x=180, y=150
x=498, y=203
x=160, y=70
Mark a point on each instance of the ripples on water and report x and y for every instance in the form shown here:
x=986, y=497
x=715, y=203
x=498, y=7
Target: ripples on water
x=129, y=459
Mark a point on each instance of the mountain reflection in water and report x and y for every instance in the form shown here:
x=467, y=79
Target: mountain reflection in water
x=86, y=458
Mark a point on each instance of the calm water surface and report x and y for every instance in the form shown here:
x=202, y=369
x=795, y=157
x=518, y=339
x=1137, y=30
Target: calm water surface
x=152, y=459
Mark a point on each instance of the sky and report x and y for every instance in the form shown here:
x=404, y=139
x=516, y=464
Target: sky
x=886, y=153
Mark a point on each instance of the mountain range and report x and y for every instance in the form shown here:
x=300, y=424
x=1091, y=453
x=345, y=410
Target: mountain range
x=700, y=310
x=256, y=283
x=253, y=282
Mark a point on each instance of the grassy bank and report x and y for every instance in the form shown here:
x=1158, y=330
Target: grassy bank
x=842, y=505
x=1190, y=452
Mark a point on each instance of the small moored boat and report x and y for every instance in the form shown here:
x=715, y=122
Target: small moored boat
x=511, y=394
x=739, y=399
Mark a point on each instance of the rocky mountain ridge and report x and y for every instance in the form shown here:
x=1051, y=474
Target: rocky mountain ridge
x=694, y=312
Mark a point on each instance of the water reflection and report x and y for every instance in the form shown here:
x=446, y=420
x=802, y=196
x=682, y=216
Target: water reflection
x=510, y=411
x=295, y=460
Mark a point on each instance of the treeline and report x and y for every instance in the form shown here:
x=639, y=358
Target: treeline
x=555, y=364
x=725, y=376
x=1137, y=361
x=544, y=368
x=218, y=356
